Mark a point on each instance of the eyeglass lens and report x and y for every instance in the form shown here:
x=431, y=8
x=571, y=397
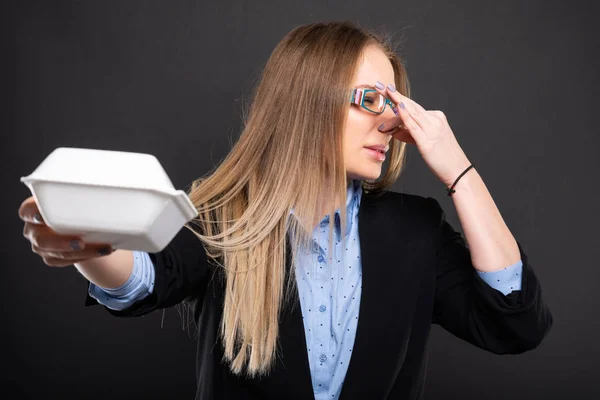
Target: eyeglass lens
x=374, y=101
x=371, y=99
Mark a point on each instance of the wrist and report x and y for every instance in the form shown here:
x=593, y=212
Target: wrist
x=461, y=179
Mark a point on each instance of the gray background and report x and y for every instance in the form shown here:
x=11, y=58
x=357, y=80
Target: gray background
x=518, y=81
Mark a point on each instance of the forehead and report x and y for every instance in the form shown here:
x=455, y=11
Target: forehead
x=373, y=66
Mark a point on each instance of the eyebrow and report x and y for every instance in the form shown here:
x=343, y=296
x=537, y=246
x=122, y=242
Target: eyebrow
x=364, y=85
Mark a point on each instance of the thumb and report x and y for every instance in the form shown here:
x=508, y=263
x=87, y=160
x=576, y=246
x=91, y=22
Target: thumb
x=403, y=135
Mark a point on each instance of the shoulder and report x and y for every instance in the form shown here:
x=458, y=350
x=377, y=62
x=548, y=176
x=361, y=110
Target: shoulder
x=404, y=213
x=404, y=217
x=405, y=203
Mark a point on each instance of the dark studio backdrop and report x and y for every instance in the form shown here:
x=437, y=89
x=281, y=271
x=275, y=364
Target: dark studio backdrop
x=518, y=81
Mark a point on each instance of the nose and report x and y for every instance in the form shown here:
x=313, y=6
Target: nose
x=387, y=125
x=387, y=118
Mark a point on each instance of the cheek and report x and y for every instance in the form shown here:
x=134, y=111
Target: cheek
x=357, y=127
x=352, y=140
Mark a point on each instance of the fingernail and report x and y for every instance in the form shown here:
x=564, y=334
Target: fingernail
x=391, y=87
x=402, y=106
x=38, y=218
x=381, y=127
x=105, y=251
x=75, y=244
x=395, y=110
x=379, y=85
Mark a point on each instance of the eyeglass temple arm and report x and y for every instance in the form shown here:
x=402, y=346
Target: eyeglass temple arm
x=353, y=95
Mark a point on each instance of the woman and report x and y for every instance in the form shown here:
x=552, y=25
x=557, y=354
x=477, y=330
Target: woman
x=273, y=265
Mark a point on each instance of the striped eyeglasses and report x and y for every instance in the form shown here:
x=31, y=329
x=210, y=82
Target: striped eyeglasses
x=370, y=99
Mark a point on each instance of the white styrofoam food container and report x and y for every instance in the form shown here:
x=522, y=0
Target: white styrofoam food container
x=109, y=197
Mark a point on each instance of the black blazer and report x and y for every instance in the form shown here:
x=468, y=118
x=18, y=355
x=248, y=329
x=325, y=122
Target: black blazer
x=417, y=271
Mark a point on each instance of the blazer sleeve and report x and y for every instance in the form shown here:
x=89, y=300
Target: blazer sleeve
x=469, y=308
x=182, y=271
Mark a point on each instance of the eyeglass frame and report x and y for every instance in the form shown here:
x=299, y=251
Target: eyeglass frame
x=354, y=99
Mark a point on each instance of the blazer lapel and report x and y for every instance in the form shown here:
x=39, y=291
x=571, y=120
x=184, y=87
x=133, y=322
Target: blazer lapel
x=385, y=309
x=387, y=302
x=292, y=366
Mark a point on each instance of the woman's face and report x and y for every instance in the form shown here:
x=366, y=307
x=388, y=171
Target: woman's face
x=361, y=125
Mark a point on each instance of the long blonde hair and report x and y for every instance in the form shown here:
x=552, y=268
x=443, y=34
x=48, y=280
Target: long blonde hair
x=288, y=154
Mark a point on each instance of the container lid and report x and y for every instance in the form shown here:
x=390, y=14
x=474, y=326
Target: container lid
x=102, y=167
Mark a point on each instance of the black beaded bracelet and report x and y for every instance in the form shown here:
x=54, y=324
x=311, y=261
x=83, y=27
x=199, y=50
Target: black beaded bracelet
x=451, y=190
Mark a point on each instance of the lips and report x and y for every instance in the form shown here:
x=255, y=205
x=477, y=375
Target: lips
x=378, y=155
x=378, y=147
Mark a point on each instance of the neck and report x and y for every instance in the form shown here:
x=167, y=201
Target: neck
x=326, y=207
x=326, y=201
